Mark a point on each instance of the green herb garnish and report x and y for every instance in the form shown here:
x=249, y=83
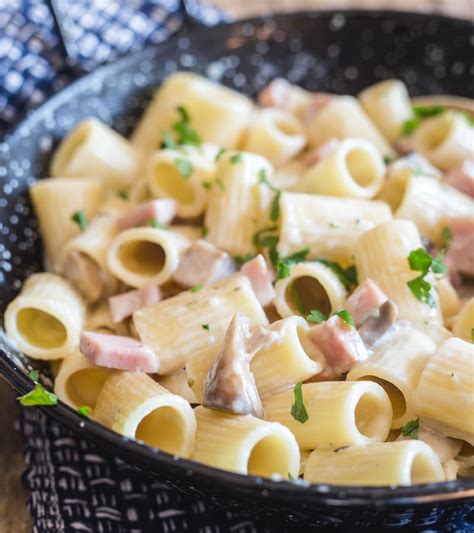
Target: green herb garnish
x=264, y=238
x=122, y=194
x=410, y=429
x=472, y=335
x=205, y=326
x=84, y=410
x=197, y=288
x=219, y=154
x=184, y=167
x=79, y=217
x=347, y=276
x=168, y=141
x=296, y=298
x=387, y=159
x=275, y=205
x=420, y=113
x=446, y=235
x=185, y=134
x=240, y=260
x=421, y=261
x=204, y=231
x=344, y=315
x=283, y=264
x=298, y=410
x=34, y=375
x=38, y=396
x=290, y=477
x=421, y=290
x=158, y=225
x=316, y=316
x=236, y=158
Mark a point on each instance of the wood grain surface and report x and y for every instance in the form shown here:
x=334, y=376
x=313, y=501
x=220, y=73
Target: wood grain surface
x=14, y=517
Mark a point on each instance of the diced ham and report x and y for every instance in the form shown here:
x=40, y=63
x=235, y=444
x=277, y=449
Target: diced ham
x=318, y=102
x=121, y=353
x=125, y=304
x=85, y=274
x=459, y=257
x=162, y=211
x=260, y=277
x=364, y=300
x=461, y=177
x=275, y=94
x=321, y=152
x=339, y=343
x=202, y=264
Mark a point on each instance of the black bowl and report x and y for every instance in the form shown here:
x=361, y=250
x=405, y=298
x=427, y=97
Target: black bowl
x=340, y=52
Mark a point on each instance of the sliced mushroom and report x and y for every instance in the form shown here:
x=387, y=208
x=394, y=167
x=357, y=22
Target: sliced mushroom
x=230, y=385
x=378, y=323
x=85, y=274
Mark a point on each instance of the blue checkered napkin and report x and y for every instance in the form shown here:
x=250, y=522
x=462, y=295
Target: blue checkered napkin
x=32, y=65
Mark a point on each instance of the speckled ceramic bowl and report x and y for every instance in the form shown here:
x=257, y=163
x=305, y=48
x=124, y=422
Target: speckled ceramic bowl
x=341, y=52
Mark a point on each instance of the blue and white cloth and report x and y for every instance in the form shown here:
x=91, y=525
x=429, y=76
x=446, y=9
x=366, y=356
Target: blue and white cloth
x=72, y=485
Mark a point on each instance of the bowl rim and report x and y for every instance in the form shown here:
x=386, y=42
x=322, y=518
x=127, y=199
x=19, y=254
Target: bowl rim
x=141, y=455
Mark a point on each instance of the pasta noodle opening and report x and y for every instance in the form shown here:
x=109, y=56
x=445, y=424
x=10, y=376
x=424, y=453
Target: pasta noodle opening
x=370, y=415
x=436, y=133
x=142, y=257
x=286, y=127
x=163, y=428
x=171, y=183
x=40, y=329
x=83, y=387
x=422, y=469
x=310, y=294
x=270, y=455
x=397, y=398
x=361, y=167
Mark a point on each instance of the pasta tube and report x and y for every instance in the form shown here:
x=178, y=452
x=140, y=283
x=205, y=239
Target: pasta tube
x=276, y=135
x=328, y=226
x=92, y=149
x=397, y=362
x=448, y=299
x=55, y=202
x=353, y=169
x=444, y=392
x=340, y=413
x=219, y=115
x=79, y=381
x=177, y=383
x=387, y=463
x=180, y=319
x=145, y=256
x=309, y=286
x=344, y=117
x=245, y=444
x=98, y=318
x=388, y=104
x=183, y=175
x=429, y=203
x=381, y=254
x=234, y=206
x=446, y=139
x=464, y=322
x=135, y=406
x=46, y=318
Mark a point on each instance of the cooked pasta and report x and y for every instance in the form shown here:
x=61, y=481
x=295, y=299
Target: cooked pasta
x=270, y=289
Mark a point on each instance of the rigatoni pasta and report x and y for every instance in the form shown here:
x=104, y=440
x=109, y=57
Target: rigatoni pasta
x=297, y=292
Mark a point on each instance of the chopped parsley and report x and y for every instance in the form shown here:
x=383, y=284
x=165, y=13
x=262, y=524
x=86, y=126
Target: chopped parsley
x=190, y=382
x=79, y=217
x=265, y=237
x=275, y=205
x=298, y=410
x=410, y=429
x=207, y=185
x=84, y=410
x=347, y=276
x=158, y=225
x=290, y=477
x=296, y=298
x=240, y=260
x=316, y=316
x=219, y=154
x=168, y=141
x=387, y=159
x=283, y=264
x=421, y=261
x=205, y=326
x=184, y=167
x=472, y=335
x=122, y=194
x=39, y=395
x=197, y=288
x=204, y=231
x=420, y=113
x=344, y=315
x=236, y=158
x=446, y=235
x=185, y=134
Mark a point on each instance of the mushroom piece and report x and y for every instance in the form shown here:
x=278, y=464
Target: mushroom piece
x=378, y=323
x=85, y=274
x=229, y=384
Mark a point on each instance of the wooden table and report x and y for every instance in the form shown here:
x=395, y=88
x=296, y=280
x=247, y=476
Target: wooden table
x=14, y=517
